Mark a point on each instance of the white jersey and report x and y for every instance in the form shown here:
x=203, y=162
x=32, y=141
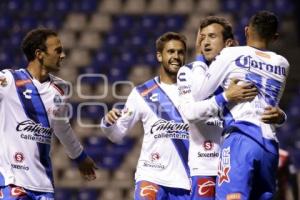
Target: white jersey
x=27, y=110
x=266, y=70
x=205, y=132
x=164, y=153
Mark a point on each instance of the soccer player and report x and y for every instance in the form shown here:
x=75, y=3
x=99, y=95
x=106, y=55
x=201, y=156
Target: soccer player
x=215, y=33
x=162, y=169
x=31, y=107
x=249, y=153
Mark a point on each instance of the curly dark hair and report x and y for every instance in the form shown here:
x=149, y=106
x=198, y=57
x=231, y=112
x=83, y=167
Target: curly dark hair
x=36, y=39
x=265, y=23
x=166, y=37
x=227, y=27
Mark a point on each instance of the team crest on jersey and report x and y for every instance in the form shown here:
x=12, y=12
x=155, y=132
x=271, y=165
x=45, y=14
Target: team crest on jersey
x=224, y=167
x=1, y=194
x=57, y=100
x=148, y=190
x=3, y=82
x=206, y=187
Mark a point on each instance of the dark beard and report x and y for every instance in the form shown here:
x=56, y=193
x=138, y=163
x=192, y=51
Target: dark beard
x=170, y=72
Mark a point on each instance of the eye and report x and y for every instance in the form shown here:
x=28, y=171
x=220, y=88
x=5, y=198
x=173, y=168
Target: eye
x=59, y=50
x=171, y=51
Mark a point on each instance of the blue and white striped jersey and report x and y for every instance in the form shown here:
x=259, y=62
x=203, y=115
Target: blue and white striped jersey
x=27, y=112
x=164, y=154
x=205, y=125
x=265, y=69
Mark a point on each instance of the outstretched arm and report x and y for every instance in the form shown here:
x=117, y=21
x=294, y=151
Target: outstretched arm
x=116, y=123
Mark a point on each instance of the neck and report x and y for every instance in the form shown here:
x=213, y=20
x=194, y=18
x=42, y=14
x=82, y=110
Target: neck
x=166, y=77
x=37, y=71
x=259, y=44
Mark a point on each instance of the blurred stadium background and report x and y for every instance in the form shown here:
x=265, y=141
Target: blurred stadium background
x=117, y=38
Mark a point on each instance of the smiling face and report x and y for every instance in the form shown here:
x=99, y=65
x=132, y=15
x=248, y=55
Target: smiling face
x=53, y=55
x=172, y=56
x=211, y=41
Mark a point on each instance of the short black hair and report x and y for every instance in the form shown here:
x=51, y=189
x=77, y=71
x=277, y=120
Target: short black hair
x=36, y=39
x=265, y=23
x=227, y=27
x=166, y=37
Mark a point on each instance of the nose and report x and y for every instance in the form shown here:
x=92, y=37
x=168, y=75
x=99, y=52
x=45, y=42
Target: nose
x=176, y=54
x=62, y=55
x=206, y=41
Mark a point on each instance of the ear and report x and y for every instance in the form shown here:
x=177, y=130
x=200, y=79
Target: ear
x=39, y=54
x=276, y=36
x=231, y=43
x=159, y=56
x=246, y=31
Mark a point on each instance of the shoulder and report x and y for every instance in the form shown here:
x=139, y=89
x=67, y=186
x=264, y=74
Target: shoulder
x=194, y=69
x=228, y=54
x=60, y=85
x=283, y=61
x=194, y=66
x=279, y=59
x=231, y=51
x=6, y=77
x=6, y=73
x=147, y=86
x=56, y=79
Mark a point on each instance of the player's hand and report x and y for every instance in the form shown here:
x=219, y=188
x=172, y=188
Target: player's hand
x=112, y=116
x=87, y=169
x=273, y=115
x=240, y=92
x=198, y=44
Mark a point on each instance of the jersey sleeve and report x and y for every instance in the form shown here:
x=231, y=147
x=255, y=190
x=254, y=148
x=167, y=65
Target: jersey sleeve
x=66, y=136
x=193, y=108
x=64, y=132
x=285, y=63
x=6, y=80
x=129, y=117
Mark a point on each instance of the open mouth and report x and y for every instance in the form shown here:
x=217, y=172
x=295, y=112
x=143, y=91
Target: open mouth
x=207, y=50
x=176, y=65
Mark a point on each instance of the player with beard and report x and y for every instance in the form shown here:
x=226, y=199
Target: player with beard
x=162, y=169
x=32, y=110
x=249, y=153
x=215, y=33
